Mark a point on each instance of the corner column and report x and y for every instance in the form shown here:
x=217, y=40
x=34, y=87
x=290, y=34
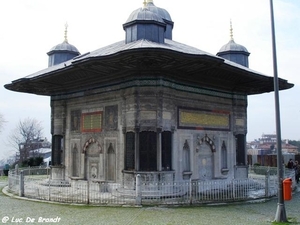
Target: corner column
x=159, y=149
x=137, y=149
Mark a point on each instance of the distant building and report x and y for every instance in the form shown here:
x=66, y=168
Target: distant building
x=267, y=144
x=148, y=105
x=34, y=148
x=288, y=148
x=268, y=139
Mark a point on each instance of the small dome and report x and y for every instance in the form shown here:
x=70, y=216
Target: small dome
x=232, y=46
x=144, y=14
x=62, y=53
x=65, y=46
x=235, y=53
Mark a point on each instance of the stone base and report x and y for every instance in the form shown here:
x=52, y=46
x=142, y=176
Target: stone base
x=58, y=183
x=240, y=172
x=57, y=177
x=186, y=175
x=57, y=173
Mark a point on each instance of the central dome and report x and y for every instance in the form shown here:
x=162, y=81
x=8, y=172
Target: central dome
x=144, y=24
x=144, y=14
x=150, y=12
x=159, y=11
x=164, y=14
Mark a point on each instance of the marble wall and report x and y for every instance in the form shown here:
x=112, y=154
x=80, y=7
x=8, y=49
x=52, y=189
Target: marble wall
x=204, y=125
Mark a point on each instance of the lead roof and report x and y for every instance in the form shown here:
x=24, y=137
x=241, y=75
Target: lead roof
x=169, y=60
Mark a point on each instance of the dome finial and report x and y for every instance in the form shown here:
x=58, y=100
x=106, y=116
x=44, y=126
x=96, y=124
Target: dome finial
x=145, y=4
x=66, y=32
x=149, y=1
x=231, y=31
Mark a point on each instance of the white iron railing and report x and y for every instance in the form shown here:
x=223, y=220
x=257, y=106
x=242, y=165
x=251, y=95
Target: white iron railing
x=192, y=192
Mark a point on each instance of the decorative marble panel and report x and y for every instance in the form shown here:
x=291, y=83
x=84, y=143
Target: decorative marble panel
x=203, y=119
x=93, y=150
x=167, y=116
x=111, y=117
x=148, y=115
x=75, y=120
x=240, y=122
x=94, y=170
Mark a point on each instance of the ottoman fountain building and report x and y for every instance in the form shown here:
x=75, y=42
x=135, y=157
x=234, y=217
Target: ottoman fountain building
x=148, y=105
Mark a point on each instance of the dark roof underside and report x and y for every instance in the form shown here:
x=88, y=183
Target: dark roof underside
x=122, y=61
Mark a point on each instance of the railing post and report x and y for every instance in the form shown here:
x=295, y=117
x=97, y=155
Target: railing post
x=267, y=183
x=88, y=192
x=49, y=189
x=138, y=191
x=191, y=190
x=16, y=169
x=233, y=189
x=21, y=184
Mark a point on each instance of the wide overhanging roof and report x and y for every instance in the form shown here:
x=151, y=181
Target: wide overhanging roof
x=120, y=61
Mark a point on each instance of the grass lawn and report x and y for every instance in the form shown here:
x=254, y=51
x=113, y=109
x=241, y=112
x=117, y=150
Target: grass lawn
x=3, y=178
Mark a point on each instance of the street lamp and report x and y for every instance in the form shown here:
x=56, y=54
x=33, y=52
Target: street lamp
x=280, y=213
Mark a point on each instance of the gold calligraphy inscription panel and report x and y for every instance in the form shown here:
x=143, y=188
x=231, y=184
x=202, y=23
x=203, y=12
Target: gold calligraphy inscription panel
x=204, y=119
x=91, y=122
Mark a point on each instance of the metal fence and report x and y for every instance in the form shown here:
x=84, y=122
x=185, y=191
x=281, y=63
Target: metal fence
x=36, y=184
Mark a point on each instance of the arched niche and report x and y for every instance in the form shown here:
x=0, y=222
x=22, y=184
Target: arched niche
x=92, y=151
x=89, y=142
x=205, y=158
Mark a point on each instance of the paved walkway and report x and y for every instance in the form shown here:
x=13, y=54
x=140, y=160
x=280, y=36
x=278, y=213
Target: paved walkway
x=14, y=210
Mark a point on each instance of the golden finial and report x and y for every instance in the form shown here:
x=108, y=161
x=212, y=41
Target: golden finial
x=66, y=32
x=231, y=31
x=145, y=4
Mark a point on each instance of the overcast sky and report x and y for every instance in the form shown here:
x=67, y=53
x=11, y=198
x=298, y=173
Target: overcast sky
x=30, y=28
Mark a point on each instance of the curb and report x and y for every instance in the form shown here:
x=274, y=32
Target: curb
x=8, y=194
x=5, y=192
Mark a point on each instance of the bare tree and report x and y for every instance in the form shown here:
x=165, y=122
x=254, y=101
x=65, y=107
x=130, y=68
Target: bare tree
x=26, y=137
x=2, y=121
